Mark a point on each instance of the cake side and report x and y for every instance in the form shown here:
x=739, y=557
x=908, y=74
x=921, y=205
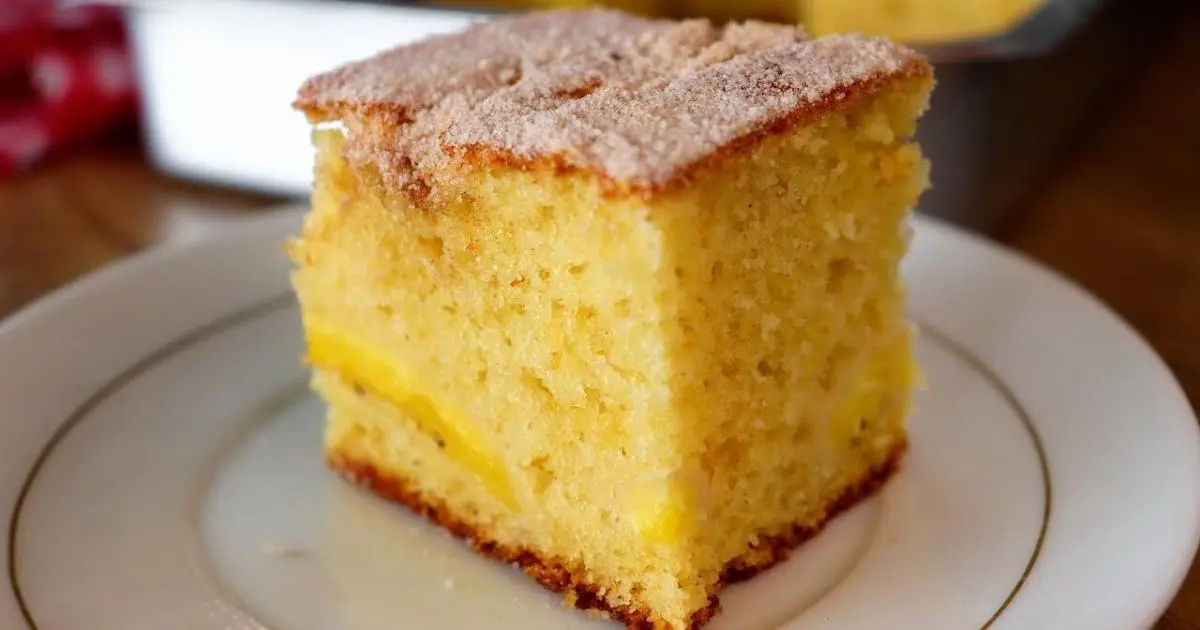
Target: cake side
x=519, y=329
x=790, y=344
x=654, y=387
x=537, y=333
x=574, y=582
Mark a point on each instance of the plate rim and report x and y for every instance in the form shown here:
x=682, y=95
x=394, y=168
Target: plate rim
x=285, y=218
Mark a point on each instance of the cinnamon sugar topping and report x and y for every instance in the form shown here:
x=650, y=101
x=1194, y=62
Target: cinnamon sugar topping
x=637, y=101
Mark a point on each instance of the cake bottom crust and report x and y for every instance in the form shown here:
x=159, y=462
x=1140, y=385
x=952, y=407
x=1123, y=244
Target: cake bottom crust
x=552, y=575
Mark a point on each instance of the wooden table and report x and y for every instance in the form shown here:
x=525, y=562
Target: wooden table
x=1120, y=216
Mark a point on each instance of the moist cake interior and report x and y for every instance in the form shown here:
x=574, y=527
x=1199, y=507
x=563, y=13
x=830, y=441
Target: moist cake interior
x=616, y=299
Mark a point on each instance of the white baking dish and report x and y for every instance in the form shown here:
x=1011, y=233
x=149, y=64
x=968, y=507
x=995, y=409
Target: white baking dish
x=218, y=78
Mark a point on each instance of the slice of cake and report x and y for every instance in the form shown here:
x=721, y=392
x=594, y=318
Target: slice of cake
x=616, y=299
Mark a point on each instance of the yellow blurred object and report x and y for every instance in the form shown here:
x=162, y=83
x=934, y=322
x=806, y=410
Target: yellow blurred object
x=640, y=7
x=721, y=10
x=910, y=21
x=916, y=21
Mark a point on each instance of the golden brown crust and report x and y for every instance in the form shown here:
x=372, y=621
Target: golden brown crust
x=640, y=103
x=842, y=98
x=556, y=577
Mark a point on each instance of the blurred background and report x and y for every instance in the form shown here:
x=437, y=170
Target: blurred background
x=1067, y=129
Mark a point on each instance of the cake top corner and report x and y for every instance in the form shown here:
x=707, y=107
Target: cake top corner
x=635, y=100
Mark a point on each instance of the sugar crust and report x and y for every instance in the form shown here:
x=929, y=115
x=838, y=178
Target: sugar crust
x=640, y=102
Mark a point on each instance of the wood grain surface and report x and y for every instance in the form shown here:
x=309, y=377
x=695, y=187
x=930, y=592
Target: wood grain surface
x=1120, y=215
x=91, y=206
x=1122, y=218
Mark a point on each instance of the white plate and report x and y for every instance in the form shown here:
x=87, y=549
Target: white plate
x=159, y=457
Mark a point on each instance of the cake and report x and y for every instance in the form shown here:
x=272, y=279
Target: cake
x=617, y=300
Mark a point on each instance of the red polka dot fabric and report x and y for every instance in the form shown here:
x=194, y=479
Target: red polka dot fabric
x=65, y=75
